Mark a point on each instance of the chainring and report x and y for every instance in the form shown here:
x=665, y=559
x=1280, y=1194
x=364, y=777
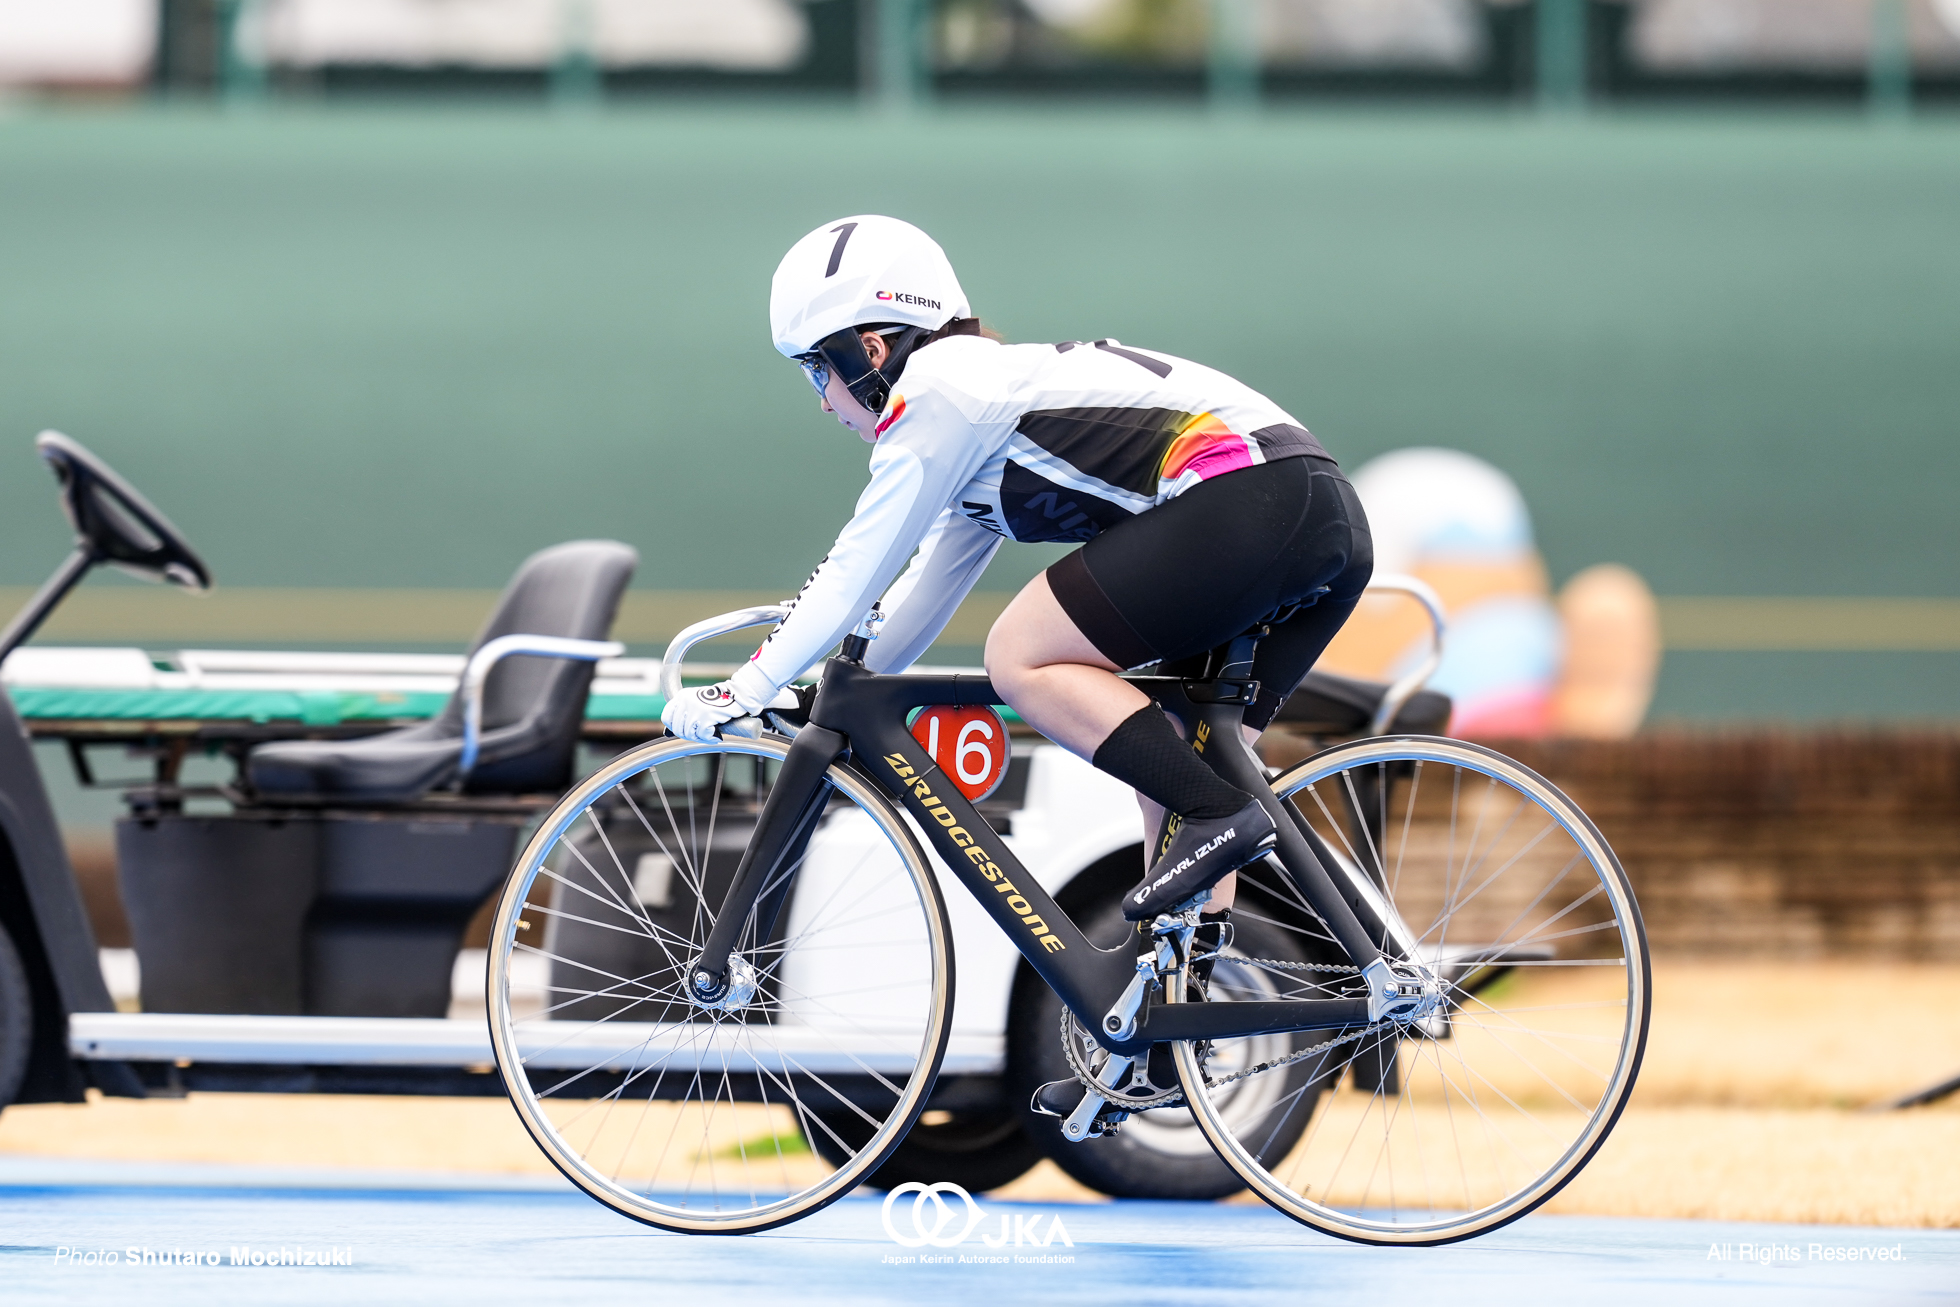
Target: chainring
x=1086, y=1057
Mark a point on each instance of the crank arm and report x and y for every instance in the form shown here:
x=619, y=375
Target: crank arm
x=1077, y=1127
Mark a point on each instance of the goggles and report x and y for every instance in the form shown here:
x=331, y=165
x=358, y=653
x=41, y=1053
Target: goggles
x=816, y=369
x=842, y=353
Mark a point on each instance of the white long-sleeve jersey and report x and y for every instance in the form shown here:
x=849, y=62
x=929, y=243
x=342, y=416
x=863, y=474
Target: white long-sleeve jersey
x=985, y=442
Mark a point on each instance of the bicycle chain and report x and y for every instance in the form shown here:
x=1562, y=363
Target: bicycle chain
x=1278, y=965
x=1070, y=1048
x=1171, y=1097
x=1298, y=1055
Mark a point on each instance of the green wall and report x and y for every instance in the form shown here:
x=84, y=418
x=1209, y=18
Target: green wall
x=374, y=347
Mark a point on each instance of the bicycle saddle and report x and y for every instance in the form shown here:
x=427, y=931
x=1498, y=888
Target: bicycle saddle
x=1326, y=704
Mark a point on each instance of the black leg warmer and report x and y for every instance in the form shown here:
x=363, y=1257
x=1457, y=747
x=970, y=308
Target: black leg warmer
x=1144, y=753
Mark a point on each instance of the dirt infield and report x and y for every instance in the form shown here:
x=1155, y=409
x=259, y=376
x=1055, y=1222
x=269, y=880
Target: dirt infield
x=1748, y=1108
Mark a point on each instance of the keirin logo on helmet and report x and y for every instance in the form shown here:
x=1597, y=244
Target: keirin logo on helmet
x=900, y=297
x=935, y=1224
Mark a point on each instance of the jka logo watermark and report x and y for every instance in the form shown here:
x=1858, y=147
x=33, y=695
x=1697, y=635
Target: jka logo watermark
x=939, y=1223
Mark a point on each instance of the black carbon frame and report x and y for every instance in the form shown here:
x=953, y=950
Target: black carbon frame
x=861, y=715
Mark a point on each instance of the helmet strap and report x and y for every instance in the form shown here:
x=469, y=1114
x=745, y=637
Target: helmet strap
x=869, y=385
x=900, y=346
x=844, y=352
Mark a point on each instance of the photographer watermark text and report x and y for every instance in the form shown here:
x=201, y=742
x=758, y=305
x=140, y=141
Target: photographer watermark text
x=140, y=1258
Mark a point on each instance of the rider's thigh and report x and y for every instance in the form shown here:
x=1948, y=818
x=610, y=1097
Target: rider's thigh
x=1049, y=673
x=1033, y=632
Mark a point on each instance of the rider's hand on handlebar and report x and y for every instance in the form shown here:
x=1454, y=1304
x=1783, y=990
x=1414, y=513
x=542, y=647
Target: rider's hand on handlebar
x=697, y=712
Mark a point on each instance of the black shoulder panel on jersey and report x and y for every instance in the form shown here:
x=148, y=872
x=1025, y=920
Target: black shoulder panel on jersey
x=1157, y=366
x=1284, y=440
x=1123, y=447
x=1039, y=510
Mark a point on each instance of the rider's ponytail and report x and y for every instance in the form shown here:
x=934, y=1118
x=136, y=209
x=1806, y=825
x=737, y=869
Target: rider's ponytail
x=963, y=327
x=904, y=341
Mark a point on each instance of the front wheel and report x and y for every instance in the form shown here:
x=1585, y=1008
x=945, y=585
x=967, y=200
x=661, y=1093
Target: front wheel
x=1497, y=887
x=694, y=1117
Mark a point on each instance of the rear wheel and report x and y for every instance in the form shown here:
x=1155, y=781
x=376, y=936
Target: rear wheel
x=693, y=1117
x=1459, y=1121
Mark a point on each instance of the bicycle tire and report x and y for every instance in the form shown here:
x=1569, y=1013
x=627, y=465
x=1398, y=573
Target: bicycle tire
x=731, y=1088
x=1365, y=1171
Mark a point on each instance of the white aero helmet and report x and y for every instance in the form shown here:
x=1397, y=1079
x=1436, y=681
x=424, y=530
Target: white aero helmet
x=862, y=271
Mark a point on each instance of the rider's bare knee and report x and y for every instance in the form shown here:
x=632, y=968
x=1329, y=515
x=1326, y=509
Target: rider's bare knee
x=1006, y=665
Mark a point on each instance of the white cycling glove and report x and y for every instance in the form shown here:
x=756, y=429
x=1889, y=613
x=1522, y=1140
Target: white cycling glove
x=695, y=713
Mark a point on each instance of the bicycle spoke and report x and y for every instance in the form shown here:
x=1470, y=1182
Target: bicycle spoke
x=1457, y=1121
x=683, y=1114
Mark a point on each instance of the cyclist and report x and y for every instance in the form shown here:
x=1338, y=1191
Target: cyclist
x=1202, y=509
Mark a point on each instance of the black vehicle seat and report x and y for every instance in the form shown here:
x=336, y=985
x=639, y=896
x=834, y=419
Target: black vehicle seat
x=1326, y=704
x=532, y=706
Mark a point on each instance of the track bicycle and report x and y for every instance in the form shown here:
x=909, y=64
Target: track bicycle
x=751, y=990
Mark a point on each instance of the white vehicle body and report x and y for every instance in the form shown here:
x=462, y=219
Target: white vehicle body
x=1071, y=818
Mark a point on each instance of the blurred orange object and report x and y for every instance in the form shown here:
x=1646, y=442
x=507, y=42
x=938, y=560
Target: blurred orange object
x=1612, y=653
x=1514, y=664
x=1456, y=522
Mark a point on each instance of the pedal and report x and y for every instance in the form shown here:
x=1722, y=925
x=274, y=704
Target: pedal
x=1094, y=1115
x=1057, y=1098
x=1084, y=1114
x=1094, y=1118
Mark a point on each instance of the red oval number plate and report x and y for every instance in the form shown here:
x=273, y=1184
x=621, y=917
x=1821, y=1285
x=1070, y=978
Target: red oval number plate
x=969, y=744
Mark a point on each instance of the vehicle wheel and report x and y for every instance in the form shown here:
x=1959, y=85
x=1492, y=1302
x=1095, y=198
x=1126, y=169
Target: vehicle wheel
x=1160, y=1153
x=1460, y=1120
x=691, y=1117
x=977, y=1151
x=16, y=1020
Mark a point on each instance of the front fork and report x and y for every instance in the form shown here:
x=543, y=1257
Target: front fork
x=782, y=834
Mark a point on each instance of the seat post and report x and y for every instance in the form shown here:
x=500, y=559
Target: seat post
x=1236, y=665
x=1237, y=662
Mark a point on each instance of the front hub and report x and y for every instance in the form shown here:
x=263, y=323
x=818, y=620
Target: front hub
x=732, y=993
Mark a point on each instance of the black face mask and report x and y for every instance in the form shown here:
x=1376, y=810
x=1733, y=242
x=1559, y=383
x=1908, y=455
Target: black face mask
x=842, y=352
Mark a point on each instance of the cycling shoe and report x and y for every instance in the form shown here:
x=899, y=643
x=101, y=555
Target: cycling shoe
x=1058, y=1097
x=1201, y=854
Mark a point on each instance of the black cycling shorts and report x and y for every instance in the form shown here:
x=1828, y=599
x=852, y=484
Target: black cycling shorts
x=1179, y=580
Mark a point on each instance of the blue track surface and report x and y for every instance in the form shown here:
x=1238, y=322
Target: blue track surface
x=434, y=1239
